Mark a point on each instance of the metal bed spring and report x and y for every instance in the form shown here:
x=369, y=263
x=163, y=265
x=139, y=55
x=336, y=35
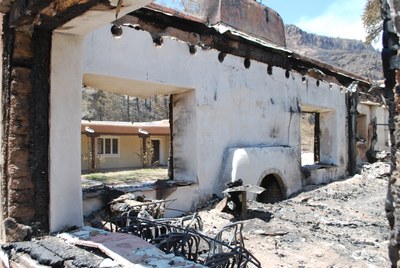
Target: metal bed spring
x=196, y=246
x=147, y=229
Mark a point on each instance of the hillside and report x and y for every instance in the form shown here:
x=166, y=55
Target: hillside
x=351, y=55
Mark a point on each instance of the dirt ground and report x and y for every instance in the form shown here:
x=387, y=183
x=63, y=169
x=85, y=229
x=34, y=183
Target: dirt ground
x=341, y=224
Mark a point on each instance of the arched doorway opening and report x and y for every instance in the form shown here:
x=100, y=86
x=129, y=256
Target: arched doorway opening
x=273, y=191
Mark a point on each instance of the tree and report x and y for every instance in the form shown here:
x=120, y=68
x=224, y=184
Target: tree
x=146, y=152
x=372, y=20
x=105, y=106
x=191, y=6
x=101, y=105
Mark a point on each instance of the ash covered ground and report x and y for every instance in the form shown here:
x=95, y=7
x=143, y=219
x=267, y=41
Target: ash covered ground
x=341, y=224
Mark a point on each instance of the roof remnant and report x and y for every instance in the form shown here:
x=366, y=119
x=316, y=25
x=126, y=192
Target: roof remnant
x=90, y=247
x=244, y=16
x=249, y=17
x=126, y=128
x=53, y=252
x=231, y=37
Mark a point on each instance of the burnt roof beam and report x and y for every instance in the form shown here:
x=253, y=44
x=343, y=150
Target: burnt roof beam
x=195, y=33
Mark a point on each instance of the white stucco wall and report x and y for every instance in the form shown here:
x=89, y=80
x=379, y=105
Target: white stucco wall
x=223, y=105
x=65, y=109
x=65, y=142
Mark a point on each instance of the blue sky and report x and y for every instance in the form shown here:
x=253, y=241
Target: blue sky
x=335, y=18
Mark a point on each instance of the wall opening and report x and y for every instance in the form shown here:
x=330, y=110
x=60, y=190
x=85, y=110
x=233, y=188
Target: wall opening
x=319, y=140
x=310, y=138
x=362, y=127
x=273, y=191
x=108, y=147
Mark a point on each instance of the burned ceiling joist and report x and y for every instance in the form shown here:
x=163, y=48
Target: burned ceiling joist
x=303, y=64
x=50, y=14
x=60, y=16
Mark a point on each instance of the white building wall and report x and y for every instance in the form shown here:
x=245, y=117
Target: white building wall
x=65, y=113
x=65, y=136
x=219, y=106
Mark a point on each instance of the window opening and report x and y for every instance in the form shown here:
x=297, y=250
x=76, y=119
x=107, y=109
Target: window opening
x=119, y=151
x=310, y=138
x=362, y=127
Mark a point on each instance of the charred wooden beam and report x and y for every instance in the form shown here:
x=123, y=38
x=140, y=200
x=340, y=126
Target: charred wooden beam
x=50, y=14
x=196, y=33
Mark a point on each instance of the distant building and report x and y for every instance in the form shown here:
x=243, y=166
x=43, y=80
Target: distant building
x=118, y=145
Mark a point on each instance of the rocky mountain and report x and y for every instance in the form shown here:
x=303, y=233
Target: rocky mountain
x=348, y=54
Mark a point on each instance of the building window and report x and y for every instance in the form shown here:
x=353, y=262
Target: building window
x=108, y=146
x=319, y=140
x=310, y=138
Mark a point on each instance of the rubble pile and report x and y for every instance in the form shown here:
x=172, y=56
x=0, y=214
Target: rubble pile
x=342, y=224
x=137, y=204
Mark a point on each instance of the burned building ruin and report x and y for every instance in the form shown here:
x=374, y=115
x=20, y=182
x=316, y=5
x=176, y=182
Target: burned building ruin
x=237, y=99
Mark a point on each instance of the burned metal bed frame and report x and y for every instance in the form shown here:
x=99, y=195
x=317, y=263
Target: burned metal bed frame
x=184, y=237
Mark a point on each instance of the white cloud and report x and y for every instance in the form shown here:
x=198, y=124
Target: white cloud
x=341, y=19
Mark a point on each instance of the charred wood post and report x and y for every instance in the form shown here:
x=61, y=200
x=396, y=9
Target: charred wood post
x=235, y=190
x=352, y=101
x=234, y=202
x=316, y=139
x=390, y=42
x=171, y=138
